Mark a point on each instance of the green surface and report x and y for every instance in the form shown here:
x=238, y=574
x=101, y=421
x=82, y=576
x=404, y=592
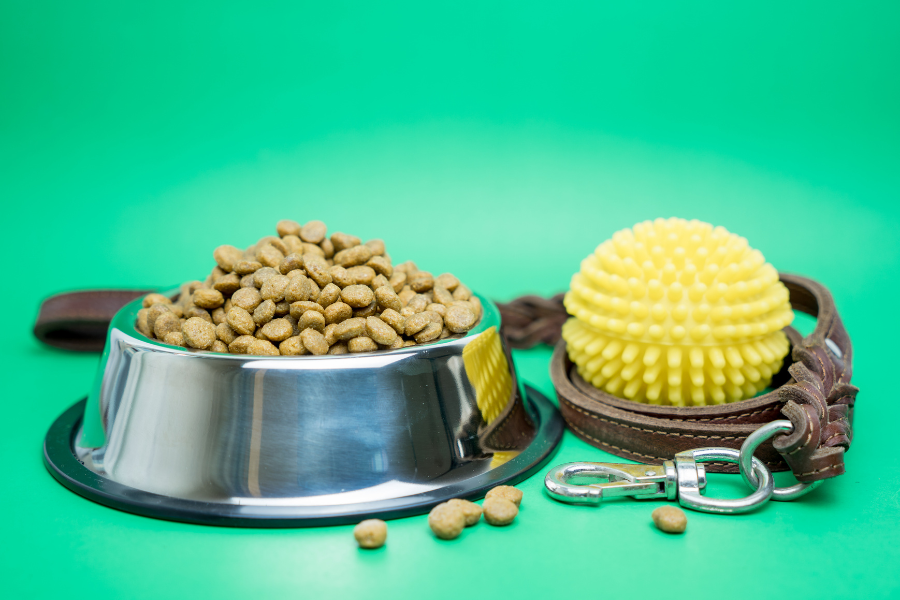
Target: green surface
x=502, y=141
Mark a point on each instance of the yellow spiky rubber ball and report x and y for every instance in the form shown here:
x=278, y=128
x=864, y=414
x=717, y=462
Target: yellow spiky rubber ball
x=677, y=312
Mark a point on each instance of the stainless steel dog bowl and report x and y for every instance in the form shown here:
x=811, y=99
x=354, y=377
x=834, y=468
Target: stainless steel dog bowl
x=291, y=441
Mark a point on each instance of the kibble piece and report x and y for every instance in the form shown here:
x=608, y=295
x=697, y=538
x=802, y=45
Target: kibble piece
x=440, y=309
x=421, y=281
x=471, y=510
x=151, y=299
x=317, y=269
x=475, y=303
x=142, y=322
x=287, y=227
x=507, y=492
x=196, y=311
x=313, y=232
x=387, y=298
x=298, y=308
x=431, y=332
x=409, y=343
x=225, y=333
x=327, y=247
x=416, y=323
x=298, y=290
x=328, y=332
x=418, y=303
x=312, y=249
x=409, y=267
x=282, y=308
x=376, y=246
x=442, y=295
x=291, y=262
x=394, y=319
x=293, y=244
x=446, y=281
x=263, y=348
x=273, y=241
x=175, y=338
x=337, y=312
x=462, y=292
x=398, y=280
x=278, y=330
x=459, y=319
x=406, y=295
x=366, y=311
x=247, y=267
x=260, y=335
x=339, y=348
x=274, y=288
x=227, y=257
x=154, y=312
x=342, y=241
x=357, y=255
x=218, y=346
x=227, y=284
x=362, y=344
x=241, y=321
x=357, y=296
x=447, y=520
x=669, y=519
x=263, y=275
x=314, y=341
x=270, y=256
x=499, y=511
x=264, y=313
x=241, y=344
x=311, y=319
x=381, y=265
x=248, y=281
x=292, y=347
x=341, y=276
x=165, y=324
x=198, y=333
x=380, y=332
x=207, y=298
x=179, y=310
x=246, y=298
x=361, y=274
x=370, y=534
x=381, y=281
x=329, y=295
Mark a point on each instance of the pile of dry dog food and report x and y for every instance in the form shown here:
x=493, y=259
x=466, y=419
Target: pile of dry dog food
x=306, y=293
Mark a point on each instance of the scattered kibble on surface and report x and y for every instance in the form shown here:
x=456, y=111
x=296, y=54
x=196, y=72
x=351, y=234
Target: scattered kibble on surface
x=302, y=281
x=371, y=533
x=447, y=520
x=499, y=511
x=471, y=511
x=507, y=492
x=669, y=519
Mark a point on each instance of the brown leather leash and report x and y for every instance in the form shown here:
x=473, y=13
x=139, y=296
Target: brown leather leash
x=813, y=391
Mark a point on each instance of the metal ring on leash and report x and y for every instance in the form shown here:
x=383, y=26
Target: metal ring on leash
x=691, y=498
x=748, y=467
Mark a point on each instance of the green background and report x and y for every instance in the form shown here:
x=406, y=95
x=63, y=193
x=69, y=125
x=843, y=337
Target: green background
x=500, y=140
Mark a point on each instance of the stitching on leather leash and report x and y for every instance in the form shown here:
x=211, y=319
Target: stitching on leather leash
x=822, y=470
x=602, y=443
x=740, y=416
x=803, y=445
x=665, y=433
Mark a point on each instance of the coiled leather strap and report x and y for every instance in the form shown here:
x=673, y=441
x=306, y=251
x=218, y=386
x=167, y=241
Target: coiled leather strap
x=813, y=390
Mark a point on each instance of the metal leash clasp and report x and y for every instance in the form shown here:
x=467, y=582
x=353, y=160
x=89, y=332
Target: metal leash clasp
x=683, y=478
x=616, y=480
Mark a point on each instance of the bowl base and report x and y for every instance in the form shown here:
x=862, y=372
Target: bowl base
x=62, y=462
